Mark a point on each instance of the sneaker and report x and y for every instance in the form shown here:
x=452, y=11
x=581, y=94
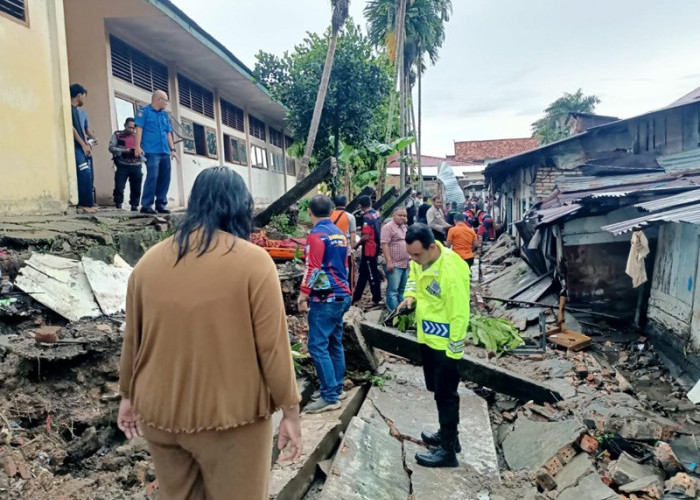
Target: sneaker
x=149, y=211
x=321, y=405
x=162, y=210
x=317, y=394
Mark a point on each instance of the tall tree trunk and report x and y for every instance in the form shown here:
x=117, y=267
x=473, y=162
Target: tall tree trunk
x=402, y=125
x=419, y=138
x=318, y=108
x=398, y=56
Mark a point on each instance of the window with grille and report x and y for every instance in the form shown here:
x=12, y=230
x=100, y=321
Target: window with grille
x=276, y=138
x=137, y=68
x=232, y=115
x=277, y=162
x=234, y=150
x=291, y=166
x=195, y=97
x=16, y=9
x=257, y=128
x=258, y=157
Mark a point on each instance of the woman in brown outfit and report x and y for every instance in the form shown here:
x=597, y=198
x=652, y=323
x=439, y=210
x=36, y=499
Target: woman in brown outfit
x=206, y=357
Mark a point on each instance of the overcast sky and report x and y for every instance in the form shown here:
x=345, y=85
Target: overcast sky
x=504, y=61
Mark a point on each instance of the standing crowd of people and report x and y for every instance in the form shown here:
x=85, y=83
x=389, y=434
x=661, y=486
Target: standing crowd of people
x=146, y=139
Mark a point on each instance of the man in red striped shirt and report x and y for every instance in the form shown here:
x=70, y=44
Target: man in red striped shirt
x=393, y=239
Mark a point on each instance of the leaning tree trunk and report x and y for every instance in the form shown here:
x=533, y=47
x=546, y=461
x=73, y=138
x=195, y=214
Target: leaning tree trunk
x=318, y=108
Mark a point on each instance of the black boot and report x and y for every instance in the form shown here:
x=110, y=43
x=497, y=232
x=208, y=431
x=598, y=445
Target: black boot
x=438, y=457
x=433, y=439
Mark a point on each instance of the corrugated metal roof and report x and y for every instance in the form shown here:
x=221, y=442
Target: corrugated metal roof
x=574, y=184
x=671, y=201
x=681, y=162
x=549, y=215
x=690, y=214
x=536, y=291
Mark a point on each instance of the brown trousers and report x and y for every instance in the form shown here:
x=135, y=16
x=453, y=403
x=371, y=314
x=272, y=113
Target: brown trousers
x=213, y=465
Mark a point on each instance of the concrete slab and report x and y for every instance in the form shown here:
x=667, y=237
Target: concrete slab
x=410, y=408
x=532, y=444
x=320, y=433
x=108, y=283
x=590, y=487
x=580, y=466
x=626, y=470
x=60, y=284
x=369, y=464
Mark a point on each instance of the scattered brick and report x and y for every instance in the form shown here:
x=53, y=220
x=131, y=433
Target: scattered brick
x=589, y=444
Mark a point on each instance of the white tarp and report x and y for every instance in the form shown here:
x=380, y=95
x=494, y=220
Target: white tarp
x=453, y=192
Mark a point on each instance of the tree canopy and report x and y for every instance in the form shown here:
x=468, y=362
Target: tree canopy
x=551, y=127
x=359, y=88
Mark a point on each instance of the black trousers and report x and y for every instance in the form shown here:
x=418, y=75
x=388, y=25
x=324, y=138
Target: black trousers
x=470, y=262
x=439, y=236
x=134, y=174
x=442, y=379
x=368, y=272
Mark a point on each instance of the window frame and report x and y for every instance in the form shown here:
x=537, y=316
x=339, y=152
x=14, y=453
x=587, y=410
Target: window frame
x=254, y=157
x=240, y=148
x=25, y=21
x=209, y=132
x=185, y=148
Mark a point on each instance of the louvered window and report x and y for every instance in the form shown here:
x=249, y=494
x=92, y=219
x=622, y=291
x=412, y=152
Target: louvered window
x=276, y=138
x=232, y=116
x=195, y=97
x=14, y=8
x=137, y=68
x=257, y=128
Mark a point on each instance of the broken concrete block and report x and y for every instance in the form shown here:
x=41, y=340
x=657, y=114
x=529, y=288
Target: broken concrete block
x=685, y=448
x=358, y=355
x=406, y=407
x=684, y=484
x=579, y=467
x=591, y=487
x=290, y=480
x=369, y=464
x=667, y=458
x=649, y=485
x=532, y=444
x=625, y=470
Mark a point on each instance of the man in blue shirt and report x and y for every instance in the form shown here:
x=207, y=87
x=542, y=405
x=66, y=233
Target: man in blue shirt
x=325, y=295
x=154, y=139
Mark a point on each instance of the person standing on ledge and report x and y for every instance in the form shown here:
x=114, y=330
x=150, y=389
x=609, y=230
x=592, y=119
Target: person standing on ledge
x=154, y=139
x=438, y=287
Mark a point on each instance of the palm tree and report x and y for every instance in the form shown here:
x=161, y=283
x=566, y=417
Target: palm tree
x=550, y=127
x=340, y=14
x=424, y=34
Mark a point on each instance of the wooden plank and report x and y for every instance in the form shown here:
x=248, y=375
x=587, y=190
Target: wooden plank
x=472, y=369
x=385, y=197
x=387, y=213
x=293, y=195
x=355, y=203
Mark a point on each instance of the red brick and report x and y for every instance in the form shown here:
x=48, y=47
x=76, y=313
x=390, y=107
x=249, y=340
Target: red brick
x=566, y=454
x=554, y=466
x=589, y=444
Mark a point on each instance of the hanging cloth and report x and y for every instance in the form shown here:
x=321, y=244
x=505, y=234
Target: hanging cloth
x=639, y=249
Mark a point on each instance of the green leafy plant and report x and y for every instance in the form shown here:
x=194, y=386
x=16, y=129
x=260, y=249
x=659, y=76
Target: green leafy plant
x=296, y=356
x=377, y=380
x=494, y=334
x=281, y=222
x=405, y=322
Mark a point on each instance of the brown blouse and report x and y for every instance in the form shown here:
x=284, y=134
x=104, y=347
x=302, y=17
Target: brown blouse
x=206, y=343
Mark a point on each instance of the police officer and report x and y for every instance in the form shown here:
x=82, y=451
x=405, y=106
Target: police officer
x=438, y=287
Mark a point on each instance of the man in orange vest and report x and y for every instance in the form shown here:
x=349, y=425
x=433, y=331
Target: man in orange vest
x=346, y=222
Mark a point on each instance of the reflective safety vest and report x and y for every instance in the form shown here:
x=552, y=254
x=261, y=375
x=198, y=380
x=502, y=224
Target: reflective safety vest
x=441, y=293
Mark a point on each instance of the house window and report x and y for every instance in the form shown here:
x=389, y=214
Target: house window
x=291, y=166
x=188, y=143
x=234, y=150
x=258, y=157
x=204, y=142
x=15, y=9
x=276, y=138
x=257, y=128
x=288, y=141
x=232, y=116
x=137, y=68
x=125, y=108
x=277, y=161
x=195, y=97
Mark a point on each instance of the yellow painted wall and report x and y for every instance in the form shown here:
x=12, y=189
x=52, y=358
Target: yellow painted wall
x=89, y=64
x=37, y=162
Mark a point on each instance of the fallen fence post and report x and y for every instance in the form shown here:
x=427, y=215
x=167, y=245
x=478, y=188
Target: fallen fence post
x=293, y=195
x=472, y=369
x=385, y=197
x=350, y=207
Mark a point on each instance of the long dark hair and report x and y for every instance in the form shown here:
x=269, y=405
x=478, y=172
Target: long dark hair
x=219, y=200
